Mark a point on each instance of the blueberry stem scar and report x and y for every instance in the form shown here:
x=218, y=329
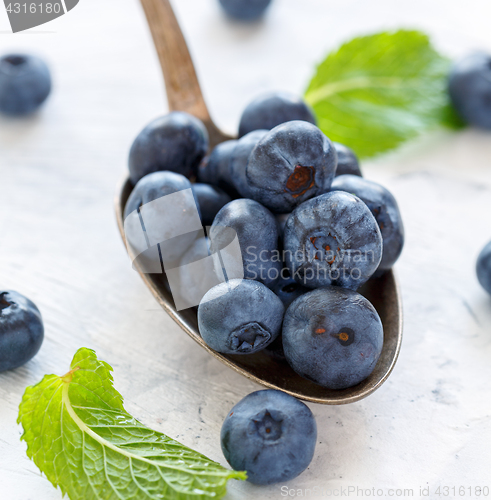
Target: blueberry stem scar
x=300, y=181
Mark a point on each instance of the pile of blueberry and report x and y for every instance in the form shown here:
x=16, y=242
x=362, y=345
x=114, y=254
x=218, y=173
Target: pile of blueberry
x=311, y=232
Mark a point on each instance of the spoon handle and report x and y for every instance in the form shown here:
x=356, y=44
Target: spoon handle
x=181, y=83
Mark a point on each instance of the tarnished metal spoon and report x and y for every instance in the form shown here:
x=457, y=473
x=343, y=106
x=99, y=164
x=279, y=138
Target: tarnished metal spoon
x=184, y=94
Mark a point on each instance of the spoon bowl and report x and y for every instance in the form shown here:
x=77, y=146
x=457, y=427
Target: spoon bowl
x=268, y=367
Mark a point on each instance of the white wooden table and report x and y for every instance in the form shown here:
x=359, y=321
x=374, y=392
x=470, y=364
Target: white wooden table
x=429, y=425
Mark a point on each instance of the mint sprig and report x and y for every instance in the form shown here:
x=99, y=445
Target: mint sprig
x=79, y=434
x=376, y=92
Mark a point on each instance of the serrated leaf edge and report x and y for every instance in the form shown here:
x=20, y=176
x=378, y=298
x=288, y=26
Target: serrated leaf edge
x=65, y=381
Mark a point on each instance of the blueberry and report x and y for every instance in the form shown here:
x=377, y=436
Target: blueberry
x=21, y=330
x=176, y=142
x=162, y=227
x=288, y=290
x=240, y=317
x=210, y=200
x=347, y=161
x=270, y=435
x=333, y=337
x=384, y=208
x=470, y=89
x=240, y=159
x=257, y=234
x=483, y=268
x=215, y=168
x=245, y=10
x=25, y=83
x=272, y=109
x=332, y=239
x=290, y=164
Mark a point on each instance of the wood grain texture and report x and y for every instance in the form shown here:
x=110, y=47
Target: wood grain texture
x=183, y=89
x=59, y=243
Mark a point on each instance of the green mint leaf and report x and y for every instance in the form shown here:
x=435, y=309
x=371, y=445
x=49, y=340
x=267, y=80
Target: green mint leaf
x=79, y=434
x=375, y=92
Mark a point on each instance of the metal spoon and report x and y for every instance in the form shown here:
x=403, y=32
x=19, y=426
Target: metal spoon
x=184, y=94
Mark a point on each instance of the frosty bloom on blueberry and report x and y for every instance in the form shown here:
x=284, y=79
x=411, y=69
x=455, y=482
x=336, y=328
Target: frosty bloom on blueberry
x=215, y=168
x=176, y=142
x=257, y=233
x=21, y=330
x=240, y=160
x=333, y=337
x=384, y=208
x=270, y=435
x=240, y=317
x=332, y=239
x=292, y=163
x=245, y=10
x=25, y=83
x=272, y=109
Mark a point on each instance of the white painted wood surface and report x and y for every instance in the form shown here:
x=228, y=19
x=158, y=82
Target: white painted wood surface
x=429, y=425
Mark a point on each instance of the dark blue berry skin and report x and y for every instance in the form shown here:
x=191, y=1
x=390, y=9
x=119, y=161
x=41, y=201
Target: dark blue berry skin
x=288, y=290
x=332, y=239
x=348, y=163
x=176, y=142
x=240, y=317
x=245, y=10
x=483, y=268
x=272, y=109
x=281, y=222
x=470, y=89
x=154, y=186
x=270, y=435
x=333, y=337
x=257, y=233
x=21, y=330
x=25, y=83
x=292, y=163
x=240, y=159
x=210, y=200
x=215, y=168
x=384, y=208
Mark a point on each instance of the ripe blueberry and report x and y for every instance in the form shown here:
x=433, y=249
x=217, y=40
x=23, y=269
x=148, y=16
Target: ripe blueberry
x=270, y=435
x=25, y=83
x=272, y=109
x=160, y=226
x=470, y=89
x=332, y=239
x=240, y=317
x=384, y=208
x=292, y=163
x=245, y=10
x=483, y=268
x=176, y=142
x=257, y=233
x=215, y=168
x=333, y=337
x=240, y=159
x=21, y=330
x=210, y=200
x=347, y=161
